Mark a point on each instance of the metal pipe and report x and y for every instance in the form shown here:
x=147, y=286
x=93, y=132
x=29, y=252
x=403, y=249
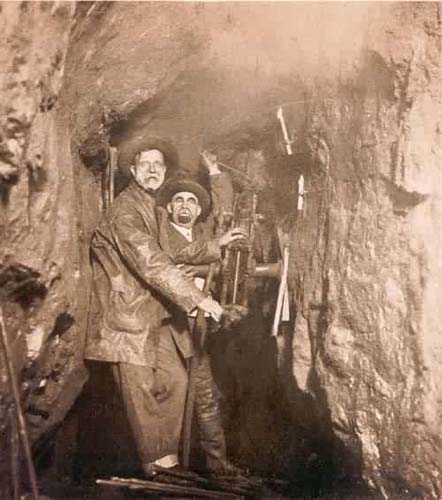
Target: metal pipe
x=269, y=270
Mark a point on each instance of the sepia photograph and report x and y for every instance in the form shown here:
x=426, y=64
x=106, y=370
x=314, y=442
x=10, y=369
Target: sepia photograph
x=220, y=250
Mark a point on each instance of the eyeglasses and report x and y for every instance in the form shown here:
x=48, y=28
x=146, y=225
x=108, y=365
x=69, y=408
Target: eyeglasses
x=149, y=164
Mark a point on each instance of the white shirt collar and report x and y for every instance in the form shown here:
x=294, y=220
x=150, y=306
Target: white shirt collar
x=185, y=231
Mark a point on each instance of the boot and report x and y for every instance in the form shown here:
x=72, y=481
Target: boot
x=213, y=444
x=208, y=414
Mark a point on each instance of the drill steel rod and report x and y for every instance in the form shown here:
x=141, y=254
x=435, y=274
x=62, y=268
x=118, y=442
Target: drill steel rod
x=233, y=169
x=204, y=482
x=16, y=395
x=236, y=170
x=287, y=142
x=236, y=278
x=186, y=491
x=281, y=292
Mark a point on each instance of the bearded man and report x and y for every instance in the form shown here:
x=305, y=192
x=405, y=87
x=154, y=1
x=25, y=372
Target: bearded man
x=136, y=282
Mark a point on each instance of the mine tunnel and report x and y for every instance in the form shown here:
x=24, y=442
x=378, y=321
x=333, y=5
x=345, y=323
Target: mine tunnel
x=329, y=114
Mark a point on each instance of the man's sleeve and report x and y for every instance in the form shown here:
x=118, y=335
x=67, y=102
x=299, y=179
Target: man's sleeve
x=198, y=252
x=141, y=252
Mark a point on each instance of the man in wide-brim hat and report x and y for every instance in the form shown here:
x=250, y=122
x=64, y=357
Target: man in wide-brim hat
x=186, y=234
x=187, y=212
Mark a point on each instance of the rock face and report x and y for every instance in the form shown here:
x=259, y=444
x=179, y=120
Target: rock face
x=40, y=256
x=368, y=272
x=365, y=108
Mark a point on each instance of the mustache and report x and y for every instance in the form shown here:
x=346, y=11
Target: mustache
x=150, y=178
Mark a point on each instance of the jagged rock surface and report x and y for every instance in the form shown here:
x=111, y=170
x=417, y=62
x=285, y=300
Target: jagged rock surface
x=368, y=274
x=40, y=258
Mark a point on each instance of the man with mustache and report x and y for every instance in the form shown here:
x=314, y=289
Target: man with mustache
x=135, y=284
x=182, y=202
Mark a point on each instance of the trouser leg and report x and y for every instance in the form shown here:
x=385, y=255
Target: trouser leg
x=154, y=401
x=208, y=414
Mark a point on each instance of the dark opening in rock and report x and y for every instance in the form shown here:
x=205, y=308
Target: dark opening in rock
x=21, y=284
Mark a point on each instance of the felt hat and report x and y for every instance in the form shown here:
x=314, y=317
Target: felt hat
x=179, y=184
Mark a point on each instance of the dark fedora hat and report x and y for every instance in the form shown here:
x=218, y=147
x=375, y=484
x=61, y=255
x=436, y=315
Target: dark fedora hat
x=184, y=183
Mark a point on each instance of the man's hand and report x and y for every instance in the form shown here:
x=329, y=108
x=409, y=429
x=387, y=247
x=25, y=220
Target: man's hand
x=237, y=233
x=189, y=271
x=211, y=307
x=209, y=161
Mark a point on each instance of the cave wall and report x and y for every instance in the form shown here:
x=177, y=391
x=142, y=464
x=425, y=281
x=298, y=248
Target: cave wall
x=367, y=274
x=41, y=261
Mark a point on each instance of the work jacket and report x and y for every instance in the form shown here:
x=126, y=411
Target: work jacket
x=135, y=283
x=204, y=248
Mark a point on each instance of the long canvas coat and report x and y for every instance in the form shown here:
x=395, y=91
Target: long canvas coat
x=135, y=283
